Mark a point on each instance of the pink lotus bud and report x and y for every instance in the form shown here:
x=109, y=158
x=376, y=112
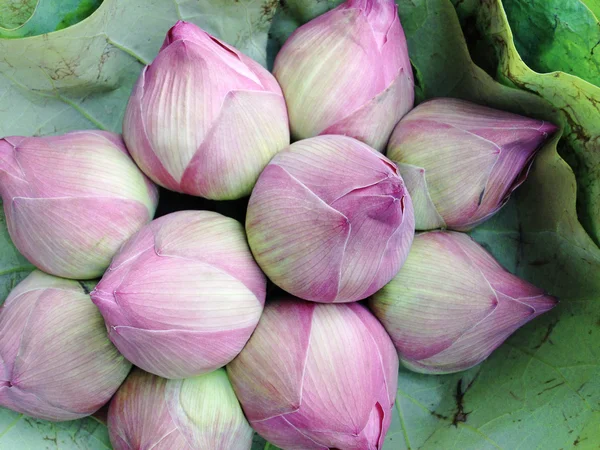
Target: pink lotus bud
x=182, y=296
x=452, y=304
x=149, y=412
x=347, y=72
x=330, y=220
x=204, y=119
x=317, y=376
x=461, y=161
x=56, y=361
x=72, y=200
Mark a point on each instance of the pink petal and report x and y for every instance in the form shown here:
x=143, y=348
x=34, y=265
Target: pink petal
x=330, y=400
x=283, y=217
x=375, y=214
x=138, y=142
x=276, y=388
x=332, y=166
x=425, y=214
x=482, y=339
x=374, y=122
x=223, y=245
x=328, y=68
x=176, y=353
x=39, y=228
x=184, y=294
x=251, y=128
x=282, y=433
x=138, y=416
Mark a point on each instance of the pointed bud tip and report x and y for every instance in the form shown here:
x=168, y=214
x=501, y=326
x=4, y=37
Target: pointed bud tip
x=548, y=128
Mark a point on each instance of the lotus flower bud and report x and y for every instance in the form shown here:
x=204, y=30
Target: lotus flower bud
x=72, y=200
x=461, y=161
x=452, y=304
x=203, y=118
x=149, y=412
x=316, y=376
x=347, y=72
x=330, y=220
x=56, y=361
x=182, y=296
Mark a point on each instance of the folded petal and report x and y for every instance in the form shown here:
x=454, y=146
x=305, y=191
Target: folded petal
x=297, y=239
x=179, y=353
x=332, y=166
x=97, y=227
x=47, y=366
x=327, y=70
x=422, y=318
x=206, y=410
x=330, y=400
x=375, y=215
x=483, y=338
x=458, y=165
x=138, y=142
x=425, y=213
x=285, y=435
x=374, y=122
x=82, y=164
x=139, y=418
x=184, y=294
x=279, y=347
x=250, y=129
x=223, y=246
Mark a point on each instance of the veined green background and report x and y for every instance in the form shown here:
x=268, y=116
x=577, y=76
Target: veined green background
x=541, y=389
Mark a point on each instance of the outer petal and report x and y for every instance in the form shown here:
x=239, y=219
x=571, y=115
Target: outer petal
x=426, y=216
x=215, y=50
x=180, y=105
x=387, y=352
x=251, y=128
x=332, y=166
x=327, y=69
x=331, y=404
x=52, y=371
x=206, y=410
x=458, y=165
x=282, y=433
x=96, y=228
x=223, y=245
x=375, y=213
x=138, y=142
x=184, y=294
x=374, y=122
x=427, y=307
x=12, y=178
x=500, y=279
x=138, y=417
x=483, y=338
x=83, y=164
x=474, y=118
x=283, y=217
x=268, y=375
x=176, y=353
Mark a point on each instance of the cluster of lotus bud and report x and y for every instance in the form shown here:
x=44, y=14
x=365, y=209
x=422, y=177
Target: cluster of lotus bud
x=330, y=220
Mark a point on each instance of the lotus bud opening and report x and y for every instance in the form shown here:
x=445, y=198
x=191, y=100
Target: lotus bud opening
x=330, y=220
x=183, y=296
x=461, y=161
x=150, y=412
x=71, y=201
x=203, y=118
x=56, y=361
x=452, y=304
x=347, y=72
x=316, y=376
